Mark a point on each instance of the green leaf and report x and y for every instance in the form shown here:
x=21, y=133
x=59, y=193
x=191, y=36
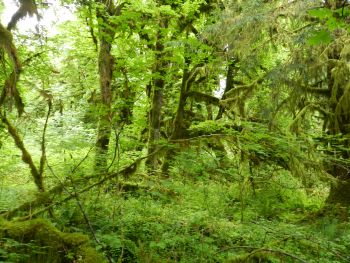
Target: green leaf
x=321, y=37
x=320, y=13
x=333, y=23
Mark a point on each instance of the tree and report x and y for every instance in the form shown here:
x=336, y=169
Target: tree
x=309, y=79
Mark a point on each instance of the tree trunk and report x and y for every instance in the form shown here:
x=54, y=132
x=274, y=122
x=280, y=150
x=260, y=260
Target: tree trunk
x=229, y=85
x=105, y=69
x=339, y=124
x=128, y=97
x=179, y=127
x=155, y=114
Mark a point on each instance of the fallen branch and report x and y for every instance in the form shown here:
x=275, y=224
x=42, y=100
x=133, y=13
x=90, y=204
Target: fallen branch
x=263, y=249
x=47, y=199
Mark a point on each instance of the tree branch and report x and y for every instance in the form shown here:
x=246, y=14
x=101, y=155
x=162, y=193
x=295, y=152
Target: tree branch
x=26, y=157
x=263, y=249
x=199, y=96
x=46, y=198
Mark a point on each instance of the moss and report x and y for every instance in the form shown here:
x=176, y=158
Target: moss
x=51, y=245
x=89, y=255
x=75, y=239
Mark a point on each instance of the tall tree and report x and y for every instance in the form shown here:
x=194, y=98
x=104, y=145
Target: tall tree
x=106, y=65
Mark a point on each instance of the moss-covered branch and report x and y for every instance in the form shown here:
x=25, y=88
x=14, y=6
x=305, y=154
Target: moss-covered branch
x=26, y=157
x=48, y=197
x=320, y=91
x=10, y=87
x=202, y=97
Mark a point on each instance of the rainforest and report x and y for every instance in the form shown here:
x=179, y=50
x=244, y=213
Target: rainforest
x=174, y=131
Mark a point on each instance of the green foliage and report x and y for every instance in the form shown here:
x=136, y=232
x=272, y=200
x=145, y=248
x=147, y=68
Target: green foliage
x=334, y=19
x=321, y=37
x=247, y=185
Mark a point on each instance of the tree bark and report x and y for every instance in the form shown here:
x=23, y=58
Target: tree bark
x=105, y=68
x=229, y=85
x=338, y=124
x=156, y=96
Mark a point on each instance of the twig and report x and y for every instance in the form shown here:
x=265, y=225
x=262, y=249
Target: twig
x=63, y=186
x=82, y=160
x=43, y=146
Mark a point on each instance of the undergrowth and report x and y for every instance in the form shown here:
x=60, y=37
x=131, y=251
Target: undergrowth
x=200, y=212
x=190, y=220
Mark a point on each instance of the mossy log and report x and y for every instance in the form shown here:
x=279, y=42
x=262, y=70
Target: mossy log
x=39, y=241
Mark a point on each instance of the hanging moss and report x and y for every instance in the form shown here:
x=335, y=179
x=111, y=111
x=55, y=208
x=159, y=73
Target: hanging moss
x=39, y=241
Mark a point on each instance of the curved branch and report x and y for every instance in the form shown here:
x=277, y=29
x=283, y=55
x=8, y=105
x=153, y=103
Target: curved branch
x=26, y=157
x=199, y=96
x=27, y=7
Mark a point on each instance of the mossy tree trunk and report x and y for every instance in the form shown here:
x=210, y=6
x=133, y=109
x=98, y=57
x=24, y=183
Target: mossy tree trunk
x=106, y=67
x=231, y=71
x=338, y=124
x=156, y=96
x=180, y=124
x=179, y=127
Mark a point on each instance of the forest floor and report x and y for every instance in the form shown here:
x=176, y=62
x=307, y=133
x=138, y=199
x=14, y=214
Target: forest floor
x=208, y=219
x=211, y=220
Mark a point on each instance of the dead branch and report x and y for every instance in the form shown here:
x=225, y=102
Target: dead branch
x=43, y=139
